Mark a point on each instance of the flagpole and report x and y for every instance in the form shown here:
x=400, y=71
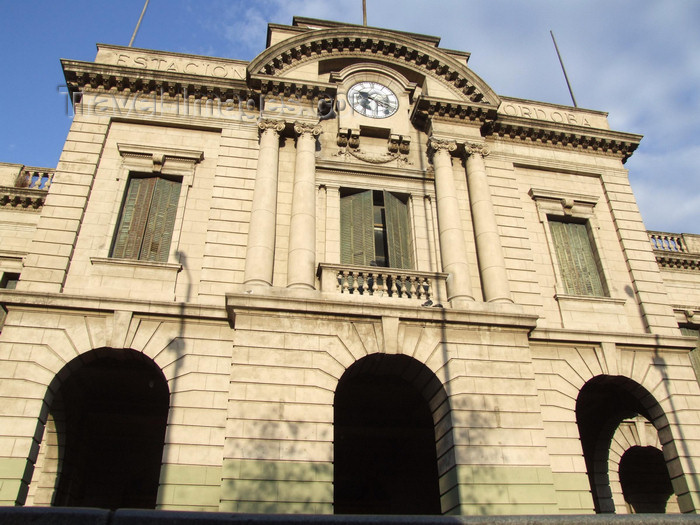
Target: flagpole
x=566, y=77
x=138, y=24
x=364, y=12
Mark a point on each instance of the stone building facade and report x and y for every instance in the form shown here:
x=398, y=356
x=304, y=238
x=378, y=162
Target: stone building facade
x=345, y=276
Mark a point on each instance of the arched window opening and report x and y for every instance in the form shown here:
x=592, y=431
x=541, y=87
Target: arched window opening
x=645, y=482
x=110, y=416
x=602, y=404
x=385, y=455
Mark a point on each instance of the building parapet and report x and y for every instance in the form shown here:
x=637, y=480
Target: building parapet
x=680, y=251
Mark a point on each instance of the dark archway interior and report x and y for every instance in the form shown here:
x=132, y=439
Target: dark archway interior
x=385, y=458
x=645, y=482
x=600, y=407
x=111, y=416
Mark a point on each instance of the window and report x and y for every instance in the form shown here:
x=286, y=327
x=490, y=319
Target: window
x=147, y=218
x=579, y=265
x=375, y=229
x=9, y=282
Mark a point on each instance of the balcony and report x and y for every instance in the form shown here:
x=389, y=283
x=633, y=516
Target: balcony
x=24, y=187
x=679, y=251
x=373, y=283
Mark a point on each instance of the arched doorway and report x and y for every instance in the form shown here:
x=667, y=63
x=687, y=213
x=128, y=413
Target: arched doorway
x=646, y=485
x=385, y=459
x=602, y=405
x=109, y=411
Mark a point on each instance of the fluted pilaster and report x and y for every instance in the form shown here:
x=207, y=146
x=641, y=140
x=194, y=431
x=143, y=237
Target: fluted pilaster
x=301, y=263
x=492, y=266
x=453, y=248
x=260, y=252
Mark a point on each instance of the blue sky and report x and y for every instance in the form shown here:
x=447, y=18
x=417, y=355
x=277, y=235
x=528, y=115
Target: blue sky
x=639, y=60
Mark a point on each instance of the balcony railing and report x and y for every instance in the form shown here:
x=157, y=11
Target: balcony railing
x=35, y=178
x=680, y=251
x=374, y=282
x=670, y=242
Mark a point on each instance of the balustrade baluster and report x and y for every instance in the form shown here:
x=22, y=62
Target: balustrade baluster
x=412, y=286
x=354, y=282
x=344, y=281
x=393, y=290
x=375, y=286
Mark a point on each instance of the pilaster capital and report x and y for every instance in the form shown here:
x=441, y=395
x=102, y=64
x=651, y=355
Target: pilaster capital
x=301, y=128
x=436, y=145
x=476, y=148
x=270, y=125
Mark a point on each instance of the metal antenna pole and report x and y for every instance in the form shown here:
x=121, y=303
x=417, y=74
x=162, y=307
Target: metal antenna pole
x=364, y=12
x=566, y=77
x=138, y=24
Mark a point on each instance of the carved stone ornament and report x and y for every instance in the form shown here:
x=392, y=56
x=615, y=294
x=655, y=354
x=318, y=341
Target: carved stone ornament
x=373, y=158
x=475, y=148
x=435, y=145
x=300, y=128
x=271, y=125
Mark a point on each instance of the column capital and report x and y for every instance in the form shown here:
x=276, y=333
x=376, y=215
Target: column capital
x=435, y=145
x=476, y=148
x=301, y=128
x=270, y=125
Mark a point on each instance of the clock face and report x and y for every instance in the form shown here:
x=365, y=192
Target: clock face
x=373, y=100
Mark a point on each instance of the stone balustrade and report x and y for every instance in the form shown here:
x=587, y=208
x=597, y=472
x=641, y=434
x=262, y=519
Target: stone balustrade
x=374, y=282
x=35, y=178
x=671, y=242
x=680, y=251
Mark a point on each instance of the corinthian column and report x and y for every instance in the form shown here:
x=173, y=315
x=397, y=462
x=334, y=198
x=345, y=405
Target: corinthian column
x=260, y=252
x=301, y=262
x=453, y=248
x=492, y=266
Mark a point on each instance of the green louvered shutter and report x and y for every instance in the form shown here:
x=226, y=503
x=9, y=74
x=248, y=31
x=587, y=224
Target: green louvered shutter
x=134, y=217
x=356, y=228
x=577, y=263
x=398, y=231
x=161, y=220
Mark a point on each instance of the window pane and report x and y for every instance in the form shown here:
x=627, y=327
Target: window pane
x=577, y=262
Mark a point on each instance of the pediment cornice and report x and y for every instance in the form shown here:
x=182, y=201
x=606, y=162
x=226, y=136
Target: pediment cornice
x=558, y=134
x=374, y=45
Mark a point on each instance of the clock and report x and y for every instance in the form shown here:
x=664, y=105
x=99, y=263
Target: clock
x=372, y=100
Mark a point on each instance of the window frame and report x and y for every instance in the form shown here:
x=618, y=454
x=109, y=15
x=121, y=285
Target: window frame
x=172, y=163
x=410, y=241
x=571, y=208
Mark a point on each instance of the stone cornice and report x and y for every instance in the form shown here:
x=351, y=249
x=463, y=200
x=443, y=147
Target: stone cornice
x=650, y=342
x=91, y=76
x=374, y=44
x=678, y=261
x=81, y=303
x=288, y=87
x=21, y=198
x=584, y=138
x=426, y=107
